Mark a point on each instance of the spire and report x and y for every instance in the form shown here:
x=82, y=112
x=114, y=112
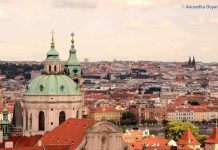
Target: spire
x=72, y=60
x=73, y=65
x=52, y=40
x=189, y=61
x=72, y=41
x=193, y=61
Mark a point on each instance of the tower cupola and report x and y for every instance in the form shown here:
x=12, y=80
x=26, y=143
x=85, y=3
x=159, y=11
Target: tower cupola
x=52, y=63
x=73, y=68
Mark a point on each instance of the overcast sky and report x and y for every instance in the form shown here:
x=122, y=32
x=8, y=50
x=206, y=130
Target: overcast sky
x=109, y=29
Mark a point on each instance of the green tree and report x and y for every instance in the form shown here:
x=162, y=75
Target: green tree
x=175, y=129
x=124, y=127
x=193, y=103
x=165, y=122
x=151, y=121
x=128, y=118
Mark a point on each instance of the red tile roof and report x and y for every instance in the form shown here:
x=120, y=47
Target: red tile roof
x=24, y=148
x=156, y=141
x=71, y=132
x=213, y=138
x=57, y=147
x=186, y=147
x=137, y=145
x=188, y=139
x=27, y=141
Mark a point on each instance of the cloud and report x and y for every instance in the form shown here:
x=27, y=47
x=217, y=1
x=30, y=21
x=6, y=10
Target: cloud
x=137, y=24
x=198, y=21
x=204, y=21
x=214, y=21
x=5, y=1
x=138, y=2
x=79, y=4
x=165, y=24
x=1, y=13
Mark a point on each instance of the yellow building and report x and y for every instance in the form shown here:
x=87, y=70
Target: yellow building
x=107, y=113
x=200, y=114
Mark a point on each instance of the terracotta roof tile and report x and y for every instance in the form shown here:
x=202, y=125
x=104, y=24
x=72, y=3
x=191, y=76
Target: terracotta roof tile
x=154, y=140
x=188, y=139
x=186, y=147
x=71, y=132
x=213, y=138
x=28, y=141
x=24, y=148
x=57, y=147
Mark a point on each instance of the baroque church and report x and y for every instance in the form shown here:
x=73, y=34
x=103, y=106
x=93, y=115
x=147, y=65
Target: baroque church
x=55, y=95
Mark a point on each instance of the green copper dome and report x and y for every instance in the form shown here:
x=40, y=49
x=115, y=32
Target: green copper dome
x=52, y=55
x=52, y=85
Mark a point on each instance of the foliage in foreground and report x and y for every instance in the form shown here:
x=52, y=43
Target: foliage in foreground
x=175, y=129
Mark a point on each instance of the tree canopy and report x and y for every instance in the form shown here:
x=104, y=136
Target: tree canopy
x=175, y=129
x=128, y=118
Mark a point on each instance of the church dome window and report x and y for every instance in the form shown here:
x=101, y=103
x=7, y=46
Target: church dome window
x=75, y=70
x=62, y=88
x=41, y=88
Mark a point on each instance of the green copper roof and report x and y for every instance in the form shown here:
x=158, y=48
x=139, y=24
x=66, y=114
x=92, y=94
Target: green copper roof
x=52, y=55
x=5, y=109
x=52, y=85
x=72, y=60
x=52, y=52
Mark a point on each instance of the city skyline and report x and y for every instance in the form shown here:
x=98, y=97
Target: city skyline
x=149, y=30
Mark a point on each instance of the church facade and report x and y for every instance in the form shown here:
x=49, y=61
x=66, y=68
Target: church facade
x=55, y=95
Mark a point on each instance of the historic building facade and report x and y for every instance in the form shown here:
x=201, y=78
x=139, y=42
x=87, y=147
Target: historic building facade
x=54, y=96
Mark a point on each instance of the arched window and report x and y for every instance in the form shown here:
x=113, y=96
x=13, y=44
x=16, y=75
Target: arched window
x=62, y=117
x=31, y=119
x=49, y=68
x=26, y=120
x=41, y=87
x=55, y=68
x=41, y=121
x=77, y=114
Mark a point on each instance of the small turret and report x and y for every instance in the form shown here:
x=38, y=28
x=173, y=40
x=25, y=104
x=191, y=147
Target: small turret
x=52, y=64
x=73, y=68
x=189, y=61
x=5, y=124
x=193, y=62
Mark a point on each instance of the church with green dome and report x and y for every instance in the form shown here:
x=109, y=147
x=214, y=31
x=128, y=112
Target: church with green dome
x=55, y=95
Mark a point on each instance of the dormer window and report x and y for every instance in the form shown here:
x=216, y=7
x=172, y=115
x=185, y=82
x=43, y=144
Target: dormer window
x=62, y=88
x=75, y=70
x=41, y=87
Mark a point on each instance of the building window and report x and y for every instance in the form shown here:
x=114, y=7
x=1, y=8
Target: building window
x=62, y=117
x=31, y=119
x=55, y=68
x=51, y=109
x=77, y=114
x=41, y=87
x=62, y=88
x=51, y=123
x=41, y=121
x=27, y=120
x=49, y=68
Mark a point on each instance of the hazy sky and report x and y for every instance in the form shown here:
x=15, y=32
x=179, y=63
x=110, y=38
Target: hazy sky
x=109, y=29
